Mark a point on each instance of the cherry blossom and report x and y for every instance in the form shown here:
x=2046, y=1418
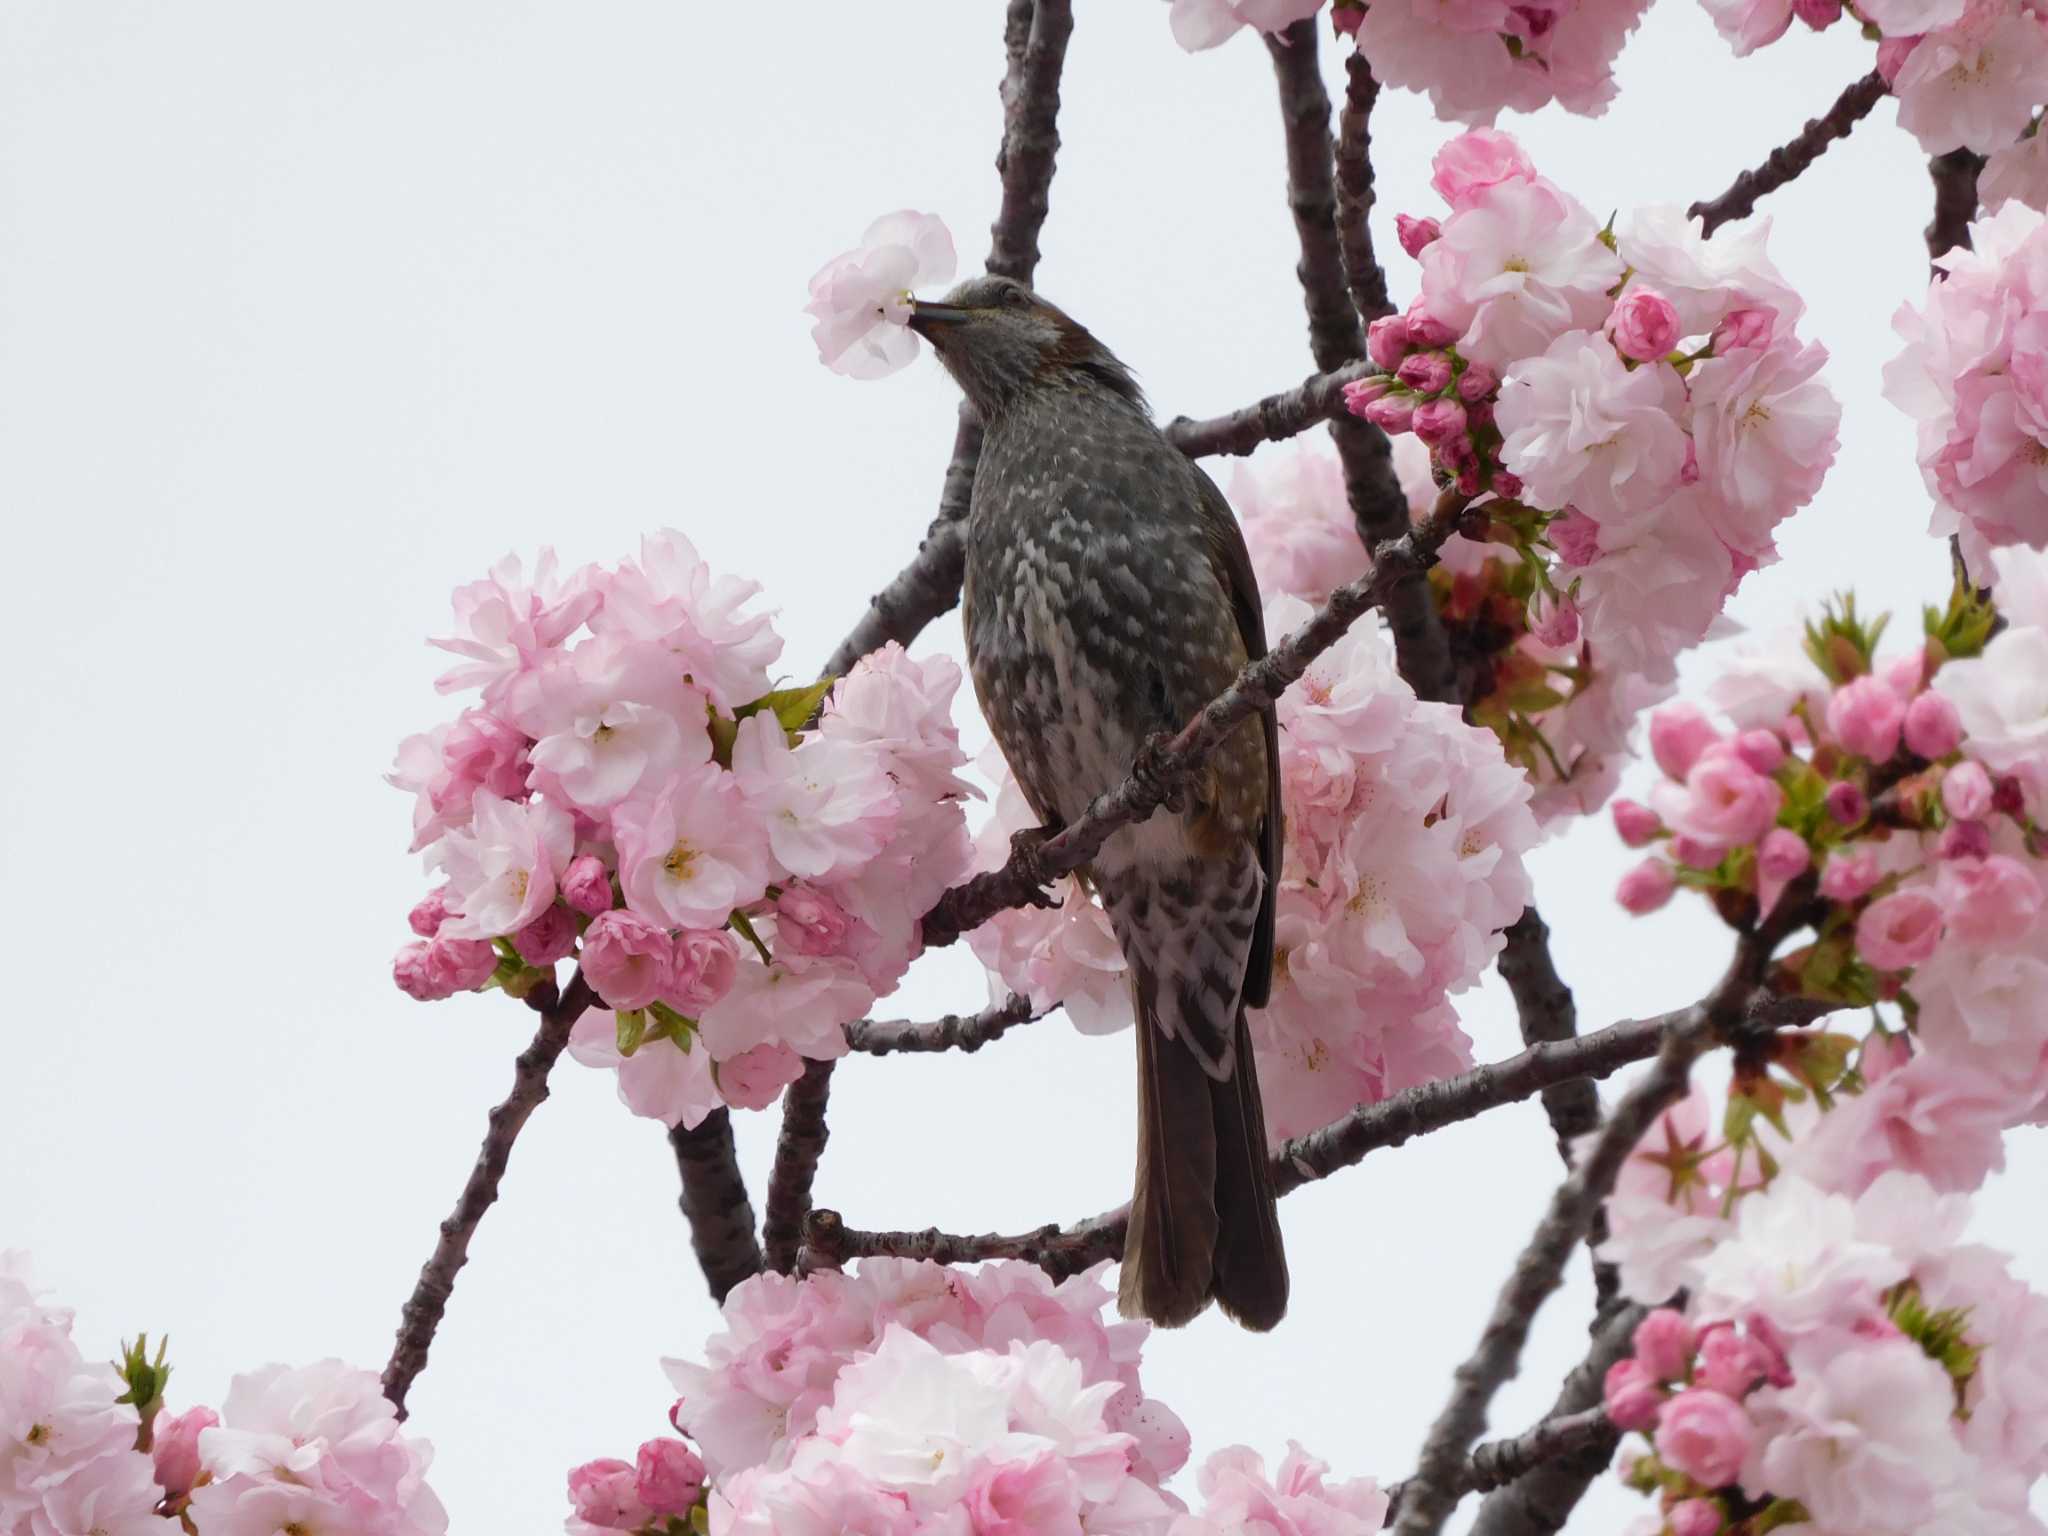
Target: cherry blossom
x=860, y=300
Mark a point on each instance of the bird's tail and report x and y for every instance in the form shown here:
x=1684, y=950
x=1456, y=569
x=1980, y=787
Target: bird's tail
x=1203, y=1219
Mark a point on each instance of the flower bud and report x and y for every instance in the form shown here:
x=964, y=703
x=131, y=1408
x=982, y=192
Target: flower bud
x=1745, y=328
x=586, y=886
x=1425, y=330
x=1664, y=1344
x=548, y=937
x=1933, y=728
x=1849, y=874
x=426, y=918
x=1415, y=235
x=1636, y=823
x=1392, y=414
x=1554, y=620
x=1761, y=750
x=1632, y=1395
x=1644, y=324
x=1783, y=854
x=627, y=959
x=174, y=1447
x=1646, y=887
x=1438, y=421
x=1847, y=803
x=1387, y=341
x=1966, y=790
x=1963, y=840
x=1865, y=717
x=668, y=1476
x=1695, y=1517
x=1476, y=383
x=1679, y=733
x=1705, y=1436
x=604, y=1494
x=1818, y=14
x=1427, y=373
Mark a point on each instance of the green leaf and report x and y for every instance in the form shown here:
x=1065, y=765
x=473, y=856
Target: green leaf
x=145, y=1378
x=793, y=707
x=632, y=1029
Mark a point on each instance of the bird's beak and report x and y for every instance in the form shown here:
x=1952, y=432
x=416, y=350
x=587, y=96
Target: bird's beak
x=926, y=318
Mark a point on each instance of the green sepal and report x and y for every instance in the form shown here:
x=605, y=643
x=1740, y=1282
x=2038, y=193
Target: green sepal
x=739, y=925
x=669, y=1025
x=632, y=1029
x=145, y=1378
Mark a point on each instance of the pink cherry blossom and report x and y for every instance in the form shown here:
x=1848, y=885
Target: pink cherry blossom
x=860, y=300
x=1933, y=728
x=548, y=938
x=2002, y=700
x=1296, y=1500
x=1710, y=282
x=660, y=1081
x=826, y=805
x=1474, y=161
x=1749, y=24
x=426, y=917
x=1664, y=1343
x=174, y=1447
x=1865, y=717
x=586, y=885
x=703, y=965
x=1988, y=901
x=2016, y=173
x=1796, y=1260
x=1899, y=931
x=111, y=1495
x=1646, y=887
x=1724, y=801
x=1297, y=523
x=1644, y=324
x=802, y=1003
x=1766, y=431
x=607, y=752
x=1704, y=1435
x=1974, y=85
x=502, y=867
x=606, y=1497
x=692, y=853
x=627, y=959
x=672, y=632
x=1632, y=1395
x=445, y=768
x=1583, y=430
x=505, y=626
x=442, y=967
x=1938, y=1119
x=1695, y=1517
x=755, y=1078
x=1201, y=24
x=668, y=1476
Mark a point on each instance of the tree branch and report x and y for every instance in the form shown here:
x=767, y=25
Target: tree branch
x=1788, y=161
x=954, y=1032
x=1167, y=765
x=1035, y=34
x=1502, y=1461
x=716, y=1204
x=1955, y=201
x=423, y=1310
x=1434, y=1491
x=798, y=1147
x=1540, y=1501
x=1336, y=338
x=1318, y=398
x=1362, y=272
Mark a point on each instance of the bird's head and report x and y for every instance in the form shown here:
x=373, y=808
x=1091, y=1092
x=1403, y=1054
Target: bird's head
x=1000, y=341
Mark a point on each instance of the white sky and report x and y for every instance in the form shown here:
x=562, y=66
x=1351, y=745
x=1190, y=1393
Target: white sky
x=307, y=313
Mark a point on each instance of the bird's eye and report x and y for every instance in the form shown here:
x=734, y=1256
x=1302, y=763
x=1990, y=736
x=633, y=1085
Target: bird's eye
x=1014, y=298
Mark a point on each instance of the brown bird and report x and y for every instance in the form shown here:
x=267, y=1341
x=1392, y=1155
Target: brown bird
x=1108, y=597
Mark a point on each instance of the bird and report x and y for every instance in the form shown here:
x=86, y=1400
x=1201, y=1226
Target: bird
x=1108, y=596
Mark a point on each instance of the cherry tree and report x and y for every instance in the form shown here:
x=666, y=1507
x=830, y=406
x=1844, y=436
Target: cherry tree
x=1521, y=497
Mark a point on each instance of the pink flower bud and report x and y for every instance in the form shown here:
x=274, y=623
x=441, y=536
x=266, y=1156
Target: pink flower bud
x=1933, y=728
x=1470, y=481
x=1679, y=733
x=1476, y=383
x=1644, y=324
x=174, y=1447
x=1745, y=328
x=1698, y=1517
x=1576, y=538
x=426, y=918
x=1965, y=789
x=1439, y=421
x=1963, y=840
x=1664, y=1344
x=1632, y=1395
x=1387, y=341
x=1847, y=803
x=1415, y=234
x=701, y=969
x=627, y=959
x=668, y=1476
x=1892, y=54
x=1646, y=887
x=1705, y=1436
x=755, y=1078
x=1783, y=854
x=1637, y=824
x=1761, y=750
x=1905, y=675
x=604, y=1494
x=1360, y=393
x=1346, y=18
x=812, y=923
x=1508, y=484
x=1899, y=931
x=1818, y=14
x=1865, y=717
x=548, y=937
x=1425, y=330
x=454, y=965
x=1481, y=413
x=414, y=976
x=1849, y=874
x=586, y=886
x=1554, y=620
x=1729, y=1363
x=2008, y=795
x=1989, y=901
x=1392, y=414
x=1427, y=373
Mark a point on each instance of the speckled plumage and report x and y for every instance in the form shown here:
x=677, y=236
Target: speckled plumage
x=1108, y=597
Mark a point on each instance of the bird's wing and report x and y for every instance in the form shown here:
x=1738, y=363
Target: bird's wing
x=1232, y=562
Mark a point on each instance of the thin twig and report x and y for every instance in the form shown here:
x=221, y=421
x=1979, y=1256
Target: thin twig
x=1433, y=1492
x=1792, y=158
x=1318, y=398
x=1362, y=271
x=1337, y=338
x=716, y=1204
x=1540, y=1501
x=423, y=1310
x=954, y=1032
x=1955, y=201
x=798, y=1146
x=1502, y=1461
x=1036, y=863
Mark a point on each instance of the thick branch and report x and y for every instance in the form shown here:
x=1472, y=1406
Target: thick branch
x=798, y=1147
x=1433, y=1492
x=1540, y=1501
x=954, y=1032
x=1362, y=273
x=1035, y=42
x=715, y=1203
x=1789, y=160
x=1168, y=765
x=1318, y=398
x=1955, y=201
x=423, y=1310
x=1502, y=1461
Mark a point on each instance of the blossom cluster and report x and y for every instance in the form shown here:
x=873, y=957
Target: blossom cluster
x=1474, y=60
x=1968, y=74
x=1636, y=412
x=735, y=882
x=1974, y=377
x=92, y=1448
x=1406, y=829
x=907, y=1398
x=1844, y=1364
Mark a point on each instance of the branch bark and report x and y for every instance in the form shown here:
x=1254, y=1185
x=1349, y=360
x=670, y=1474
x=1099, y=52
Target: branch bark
x=1955, y=201
x=1337, y=338
x=423, y=1310
x=1318, y=398
x=1037, y=860
x=1502, y=1461
x=1362, y=272
x=716, y=1204
x=798, y=1147
x=1792, y=159
x=954, y=1032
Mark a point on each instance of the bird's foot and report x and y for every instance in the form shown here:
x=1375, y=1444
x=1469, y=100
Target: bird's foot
x=1026, y=847
x=1156, y=777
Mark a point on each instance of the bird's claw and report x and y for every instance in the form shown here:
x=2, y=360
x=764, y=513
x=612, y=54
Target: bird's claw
x=1025, y=848
x=1153, y=774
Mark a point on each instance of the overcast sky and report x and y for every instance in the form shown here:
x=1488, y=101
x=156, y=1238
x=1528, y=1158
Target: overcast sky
x=309, y=312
